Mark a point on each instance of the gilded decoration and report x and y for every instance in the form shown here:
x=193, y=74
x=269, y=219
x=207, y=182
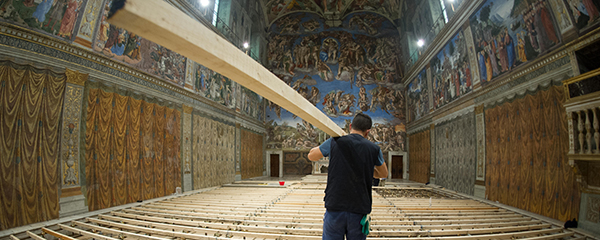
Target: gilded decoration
x=90, y=17
x=75, y=77
x=187, y=140
x=70, y=129
x=480, y=122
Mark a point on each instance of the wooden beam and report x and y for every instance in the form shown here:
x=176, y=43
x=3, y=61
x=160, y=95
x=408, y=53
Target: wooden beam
x=35, y=236
x=85, y=233
x=57, y=234
x=159, y=22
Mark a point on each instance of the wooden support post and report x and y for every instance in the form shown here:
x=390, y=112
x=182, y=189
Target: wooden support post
x=159, y=22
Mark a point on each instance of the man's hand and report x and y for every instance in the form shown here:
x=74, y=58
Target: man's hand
x=315, y=154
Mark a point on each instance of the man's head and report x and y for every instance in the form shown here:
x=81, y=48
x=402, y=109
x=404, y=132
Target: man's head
x=361, y=123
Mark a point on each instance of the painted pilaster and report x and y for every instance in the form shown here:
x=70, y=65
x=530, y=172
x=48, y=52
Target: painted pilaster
x=429, y=89
x=187, y=149
x=72, y=200
x=238, y=152
x=89, y=23
x=480, y=122
x=472, y=57
x=480, y=131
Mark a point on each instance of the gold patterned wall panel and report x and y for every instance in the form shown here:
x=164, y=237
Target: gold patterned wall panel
x=70, y=133
x=31, y=101
x=213, y=146
x=252, y=154
x=419, y=156
x=526, y=156
x=131, y=149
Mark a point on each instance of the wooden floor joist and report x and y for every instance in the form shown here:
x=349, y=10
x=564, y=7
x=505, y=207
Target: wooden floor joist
x=247, y=213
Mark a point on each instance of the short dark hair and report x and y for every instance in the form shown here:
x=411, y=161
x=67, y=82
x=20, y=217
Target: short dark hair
x=362, y=122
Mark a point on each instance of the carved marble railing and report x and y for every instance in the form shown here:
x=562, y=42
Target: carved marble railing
x=583, y=111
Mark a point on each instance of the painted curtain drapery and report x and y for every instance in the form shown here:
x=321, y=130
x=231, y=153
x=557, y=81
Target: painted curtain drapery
x=419, y=153
x=132, y=150
x=456, y=154
x=213, y=152
x=526, y=151
x=30, y=108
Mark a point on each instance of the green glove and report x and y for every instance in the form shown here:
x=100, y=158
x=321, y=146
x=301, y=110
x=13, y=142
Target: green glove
x=365, y=222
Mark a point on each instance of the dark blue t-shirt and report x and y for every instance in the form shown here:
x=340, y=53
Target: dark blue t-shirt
x=352, y=159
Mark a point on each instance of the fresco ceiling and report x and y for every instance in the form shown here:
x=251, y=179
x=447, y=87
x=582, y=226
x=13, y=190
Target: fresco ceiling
x=278, y=8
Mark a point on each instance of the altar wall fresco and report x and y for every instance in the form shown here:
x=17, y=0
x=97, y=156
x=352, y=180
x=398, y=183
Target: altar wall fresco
x=342, y=70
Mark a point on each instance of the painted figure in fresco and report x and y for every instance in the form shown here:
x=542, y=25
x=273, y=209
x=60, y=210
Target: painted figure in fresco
x=325, y=72
x=547, y=21
x=510, y=49
x=502, y=54
x=332, y=5
x=584, y=12
x=315, y=96
x=521, y=48
x=491, y=51
x=482, y=68
x=41, y=11
x=330, y=45
x=56, y=14
x=346, y=103
x=311, y=25
x=363, y=100
x=67, y=24
x=364, y=74
x=329, y=104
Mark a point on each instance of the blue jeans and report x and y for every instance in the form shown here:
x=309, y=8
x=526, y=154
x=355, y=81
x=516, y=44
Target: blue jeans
x=338, y=224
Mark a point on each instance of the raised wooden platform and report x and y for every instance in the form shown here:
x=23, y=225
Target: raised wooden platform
x=296, y=212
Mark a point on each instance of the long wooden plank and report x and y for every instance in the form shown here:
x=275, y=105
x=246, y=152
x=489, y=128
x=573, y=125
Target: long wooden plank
x=85, y=233
x=57, y=234
x=159, y=22
x=115, y=231
x=35, y=236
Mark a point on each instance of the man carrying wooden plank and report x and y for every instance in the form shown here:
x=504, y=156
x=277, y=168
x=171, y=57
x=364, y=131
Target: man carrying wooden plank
x=353, y=162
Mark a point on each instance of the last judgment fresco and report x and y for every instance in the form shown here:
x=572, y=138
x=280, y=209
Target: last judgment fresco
x=342, y=70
